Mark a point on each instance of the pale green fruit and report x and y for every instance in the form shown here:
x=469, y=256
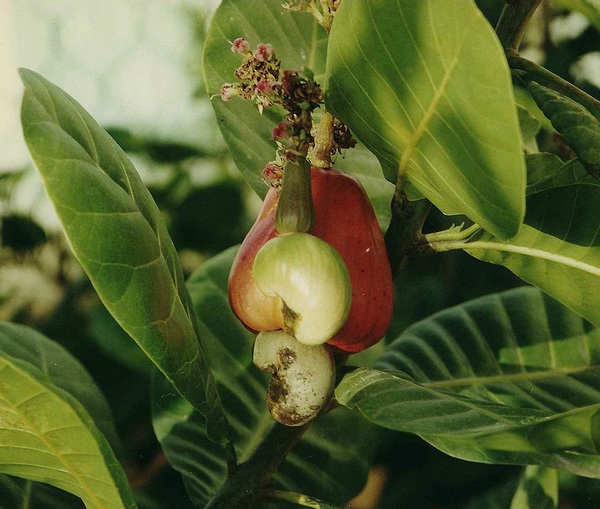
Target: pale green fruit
x=303, y=376
x=312, y=281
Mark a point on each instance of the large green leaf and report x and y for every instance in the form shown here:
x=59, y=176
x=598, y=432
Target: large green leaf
x=426, y=87
x=557, y=249
x=330, y=462
x=508, y=378
x=20, y=493
x=46, y=434
x=579, y=128
x=116, y=232
x=298, y=42
x=537, y=489
x=62, y=370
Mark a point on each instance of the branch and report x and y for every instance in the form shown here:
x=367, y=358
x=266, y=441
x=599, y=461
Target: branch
x=240, y=489
x=513, y=22
x=404, y=234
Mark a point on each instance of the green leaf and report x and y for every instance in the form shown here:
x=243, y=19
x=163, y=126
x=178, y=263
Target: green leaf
x=538, y=489
x=557, y=249
x=115, y=342
x=579, y=128
x=298, y=42
x=530, y=127
x=25, y=494
x=62, y=370
x=428, y=101
x=507, y=378
x=117, y=233
x=546, y=171
x=541, y=167
x=330, y=462
x=46, y=435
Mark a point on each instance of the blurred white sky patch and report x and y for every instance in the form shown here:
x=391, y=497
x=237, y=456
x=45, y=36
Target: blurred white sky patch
x=587, y=69
x=133, y=64
x=566, y=28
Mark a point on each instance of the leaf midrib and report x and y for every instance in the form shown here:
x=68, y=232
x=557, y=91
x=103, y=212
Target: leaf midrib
x=420, y=130
x=507, y=378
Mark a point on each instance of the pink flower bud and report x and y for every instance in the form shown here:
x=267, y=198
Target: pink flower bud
x=240, y=45
x=264, y=52
x=272, y=172
x=264, y=87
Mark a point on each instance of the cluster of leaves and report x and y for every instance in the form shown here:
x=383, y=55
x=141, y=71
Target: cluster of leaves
x=510, y=378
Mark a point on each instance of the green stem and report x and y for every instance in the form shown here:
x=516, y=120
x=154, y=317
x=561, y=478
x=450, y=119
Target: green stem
x=240, y=489
x=482, y=245
x=404, y=234
x=317, y=14
x=513, y=22
x=321, y=154
x=26, y=502
x=454, y=233
x=547, y=78
x=296, y=498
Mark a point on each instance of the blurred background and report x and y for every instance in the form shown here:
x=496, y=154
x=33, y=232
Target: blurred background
x=135, y=65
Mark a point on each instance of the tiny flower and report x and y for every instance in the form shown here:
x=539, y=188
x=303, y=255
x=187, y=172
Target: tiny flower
x=290, y=78
x=272, y=172
x=228, y=90
x=264, y=87
x=264, y=52
x=281, y=131
x=240, y=45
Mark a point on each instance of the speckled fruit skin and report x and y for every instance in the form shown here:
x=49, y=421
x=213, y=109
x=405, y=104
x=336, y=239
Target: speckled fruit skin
x=345, y=219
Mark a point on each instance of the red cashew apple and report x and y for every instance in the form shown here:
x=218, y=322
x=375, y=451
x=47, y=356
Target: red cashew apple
x=344, y=218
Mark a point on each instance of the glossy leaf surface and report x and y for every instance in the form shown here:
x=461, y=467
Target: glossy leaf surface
x=46, y=434
x=117, y=233
x=508, y=378
x=410, y=82
x=319, y=465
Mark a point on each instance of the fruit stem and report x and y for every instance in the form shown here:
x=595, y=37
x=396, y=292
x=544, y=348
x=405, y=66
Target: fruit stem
x=295, y=210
